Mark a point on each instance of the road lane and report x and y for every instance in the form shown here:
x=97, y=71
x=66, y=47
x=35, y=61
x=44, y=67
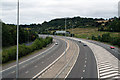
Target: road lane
x=27, y=70
x=86, y=66
x=115, y=52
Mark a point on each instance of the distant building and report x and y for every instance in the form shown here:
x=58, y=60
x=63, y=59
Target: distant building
x=62, y=32
x=42, y=36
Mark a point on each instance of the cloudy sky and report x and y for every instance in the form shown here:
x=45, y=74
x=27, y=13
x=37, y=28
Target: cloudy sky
x=38, y=11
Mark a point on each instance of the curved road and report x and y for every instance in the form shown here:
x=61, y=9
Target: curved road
x=85, y=66
x=31, y=67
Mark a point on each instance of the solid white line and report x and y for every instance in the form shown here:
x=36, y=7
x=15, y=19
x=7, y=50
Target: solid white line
x=29, y=59
x=107, y=70
x=101, y=69
x=74, y=62
x=51, y=63
x=111, y=72
x=107, y=76
x=94, y=55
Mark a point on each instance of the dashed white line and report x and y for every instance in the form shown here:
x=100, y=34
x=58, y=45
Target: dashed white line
x=84, y=65
x=36, y=66
x=83, y=70
x=27, y=72
x=81, y=77
x=85, y=61
x=13, y=72
x=23, y=66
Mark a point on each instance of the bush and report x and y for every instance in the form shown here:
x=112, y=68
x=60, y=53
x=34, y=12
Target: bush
x=39, y=43
x=115, y=41
x=94, y=38
x=106, y=37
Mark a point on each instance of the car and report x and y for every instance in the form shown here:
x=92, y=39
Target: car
x=79, y=41
x=56, y=43
x=112, y=47
x=84, y=44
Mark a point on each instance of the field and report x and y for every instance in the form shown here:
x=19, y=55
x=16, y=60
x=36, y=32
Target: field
x=88, y=32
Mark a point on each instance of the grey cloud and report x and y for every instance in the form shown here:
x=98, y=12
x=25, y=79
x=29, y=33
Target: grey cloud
x=40, y=10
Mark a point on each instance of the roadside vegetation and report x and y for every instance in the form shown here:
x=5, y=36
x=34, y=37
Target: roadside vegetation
x=10, y=54
x=93, y=34
x=9, y=35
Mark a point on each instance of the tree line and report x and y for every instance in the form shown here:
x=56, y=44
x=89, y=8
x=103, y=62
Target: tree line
x=10, y=54
x=9, y=35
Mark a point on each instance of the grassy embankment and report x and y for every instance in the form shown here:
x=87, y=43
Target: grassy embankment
x=9, y=54
x=87, y=33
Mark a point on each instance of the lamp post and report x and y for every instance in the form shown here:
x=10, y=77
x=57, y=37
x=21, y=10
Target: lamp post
x=17, y=64
x=65, y=39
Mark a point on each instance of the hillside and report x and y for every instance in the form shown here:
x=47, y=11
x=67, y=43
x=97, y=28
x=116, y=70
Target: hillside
x=58, y=24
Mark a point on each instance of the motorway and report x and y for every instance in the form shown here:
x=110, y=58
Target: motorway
x=85, y=67
x=31, y=67
x=115, y=52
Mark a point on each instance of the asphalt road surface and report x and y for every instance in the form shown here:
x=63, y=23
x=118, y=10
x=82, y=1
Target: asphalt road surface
x=30, y=68
x=85, y=66
x=115, y=52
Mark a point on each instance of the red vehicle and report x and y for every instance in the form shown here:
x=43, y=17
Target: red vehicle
x=112, y=47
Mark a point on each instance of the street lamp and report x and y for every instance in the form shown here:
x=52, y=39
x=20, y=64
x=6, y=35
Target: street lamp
x=65, y=39
x=17, y=64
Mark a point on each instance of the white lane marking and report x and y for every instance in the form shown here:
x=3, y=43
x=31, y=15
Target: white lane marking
x=84, y=65
x=86, y=58
x=107, y=70
x=52, y=62
x=29, y=58
x=74, y=62
x=107, y=76
x=83, y=70
x=36, y=66
x=42, y=62
x=101, y=69
x=27, y=72
x=81, y=77
x=108, y=73
x=23, y=66
x=85, y=61
x=13, y=72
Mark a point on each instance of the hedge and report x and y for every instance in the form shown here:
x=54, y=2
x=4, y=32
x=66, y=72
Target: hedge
x=10, y=54
x=107, y=38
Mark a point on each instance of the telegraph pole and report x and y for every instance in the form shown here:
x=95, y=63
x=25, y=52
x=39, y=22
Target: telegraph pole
x=17, y=62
